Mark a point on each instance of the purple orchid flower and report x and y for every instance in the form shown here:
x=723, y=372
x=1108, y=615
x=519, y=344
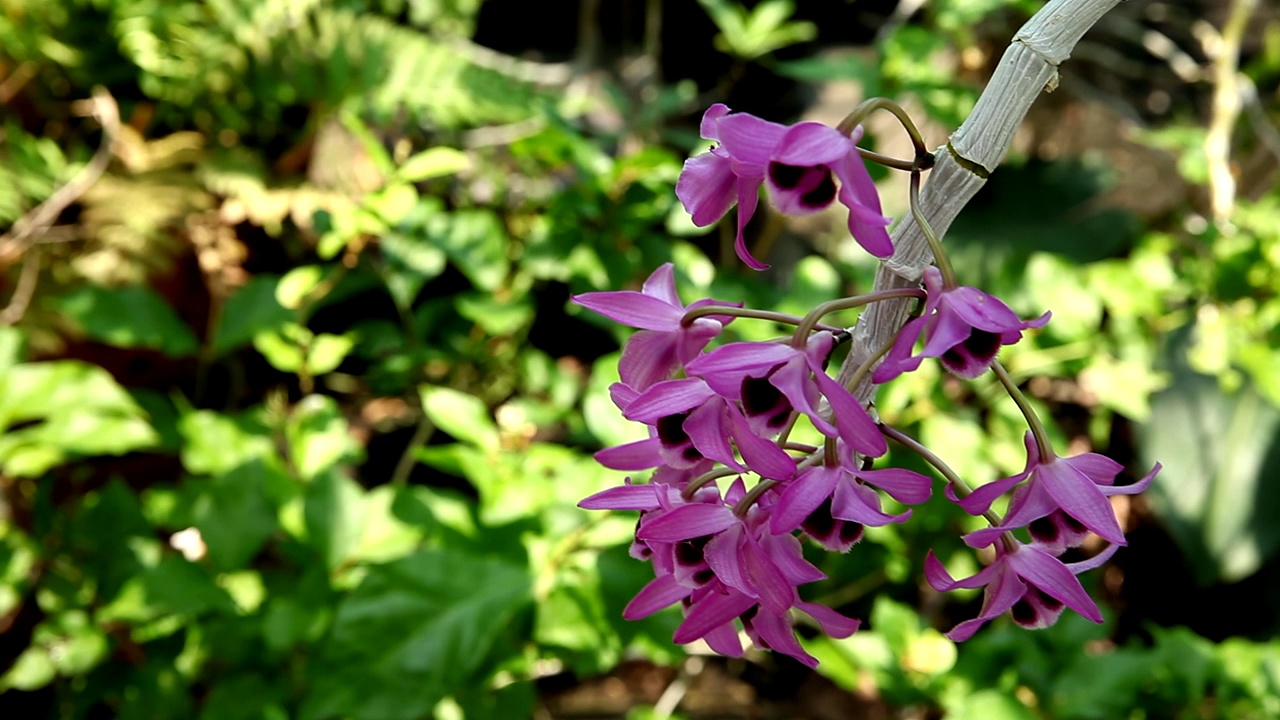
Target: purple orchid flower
x=963, y=327
x=663, y=344
x=833, y=504
x=723, y=567
x=1026, y=579
x=1062, y=499
x=796, y=163
x=734, y=371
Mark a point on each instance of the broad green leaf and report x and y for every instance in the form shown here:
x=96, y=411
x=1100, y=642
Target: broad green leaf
x=410, y=263
x=234, y=515
x=432, y=163
x=476, y=242
x=386, y=535
x=463, y=416
x=1217, y=492
x=990, y=705
x=130, y=317
x=318, y=436
x=413, y=632
x=496, y=317
x=31, y=391
x=216, y=443
x=249, y=311
x=328, y=351
x=392, y=203
x=335, y=516
x=296, y=284
x=245, y=697
x=184, y=588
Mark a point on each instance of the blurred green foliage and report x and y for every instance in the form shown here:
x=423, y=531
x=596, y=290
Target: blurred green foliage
x=297, y=417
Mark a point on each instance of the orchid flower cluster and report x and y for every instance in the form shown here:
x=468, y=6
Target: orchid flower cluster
x=730, y=555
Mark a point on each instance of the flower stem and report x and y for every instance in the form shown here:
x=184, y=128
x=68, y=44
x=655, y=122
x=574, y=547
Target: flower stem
x=870, y=105
x=889, y=161
x=780, y=318
x=810, y=320
x=752, y=495
x=962, y=488
x=856, y=379
x=1033, y=420
x=940, y=257
x=703, y=479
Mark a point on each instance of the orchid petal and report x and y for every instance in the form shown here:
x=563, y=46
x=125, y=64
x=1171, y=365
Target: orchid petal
x=667, y=398
x=1051, y=576
x=905, y=486
x=633, y=309
x=833, y=623
x=761, y=455
x=748, y=199
x=777, y=633
x=1101, y=469
x=711, y=612
x=1135, y=488
x=803, y=495
x=707, y=187
x=709, y=128
x=648, y=358
x=659, y=593
x=625, y=497
x=687, y=521
x=639, y=455
x=749, y=139
x=775, y=593
x=939, y=579
x=1080, y=498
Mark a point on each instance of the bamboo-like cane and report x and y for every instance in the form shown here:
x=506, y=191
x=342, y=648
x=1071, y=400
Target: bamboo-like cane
x=1029, y=67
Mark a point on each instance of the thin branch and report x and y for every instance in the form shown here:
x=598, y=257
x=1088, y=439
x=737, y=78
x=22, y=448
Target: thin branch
x=41, y=217
x=29, y=228
x=1226, y=109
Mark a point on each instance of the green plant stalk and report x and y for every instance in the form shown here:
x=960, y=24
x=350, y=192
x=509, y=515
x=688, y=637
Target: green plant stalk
x=962, y=488
x=1033, y=420
x=810, y=321
x=940, y=257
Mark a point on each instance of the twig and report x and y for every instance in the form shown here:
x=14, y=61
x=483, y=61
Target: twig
x=975, y=149
x=26, y=288
x=16, y=80
x=1226, y=110
x=104, y=109
x=21, y=238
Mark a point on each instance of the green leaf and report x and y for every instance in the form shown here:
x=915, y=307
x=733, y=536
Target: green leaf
x=75, y=408
x=249, y=311
x=296, y=284
x=32, y=391
x=432, y=163
x=216, y=444
x=392, y=203
x=411, y=262
x=496, y=317
x=476, y=241
x=233, y=514
x=1216, y=492
x=335, y=516
x=328, y=351
x=184, y=588
x=989, y=705
x=130, y=317
x=463, y=416
x=413, y=632
x=318, y=436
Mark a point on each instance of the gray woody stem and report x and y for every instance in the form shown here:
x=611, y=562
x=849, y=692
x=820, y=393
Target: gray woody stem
x=1029, y=66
